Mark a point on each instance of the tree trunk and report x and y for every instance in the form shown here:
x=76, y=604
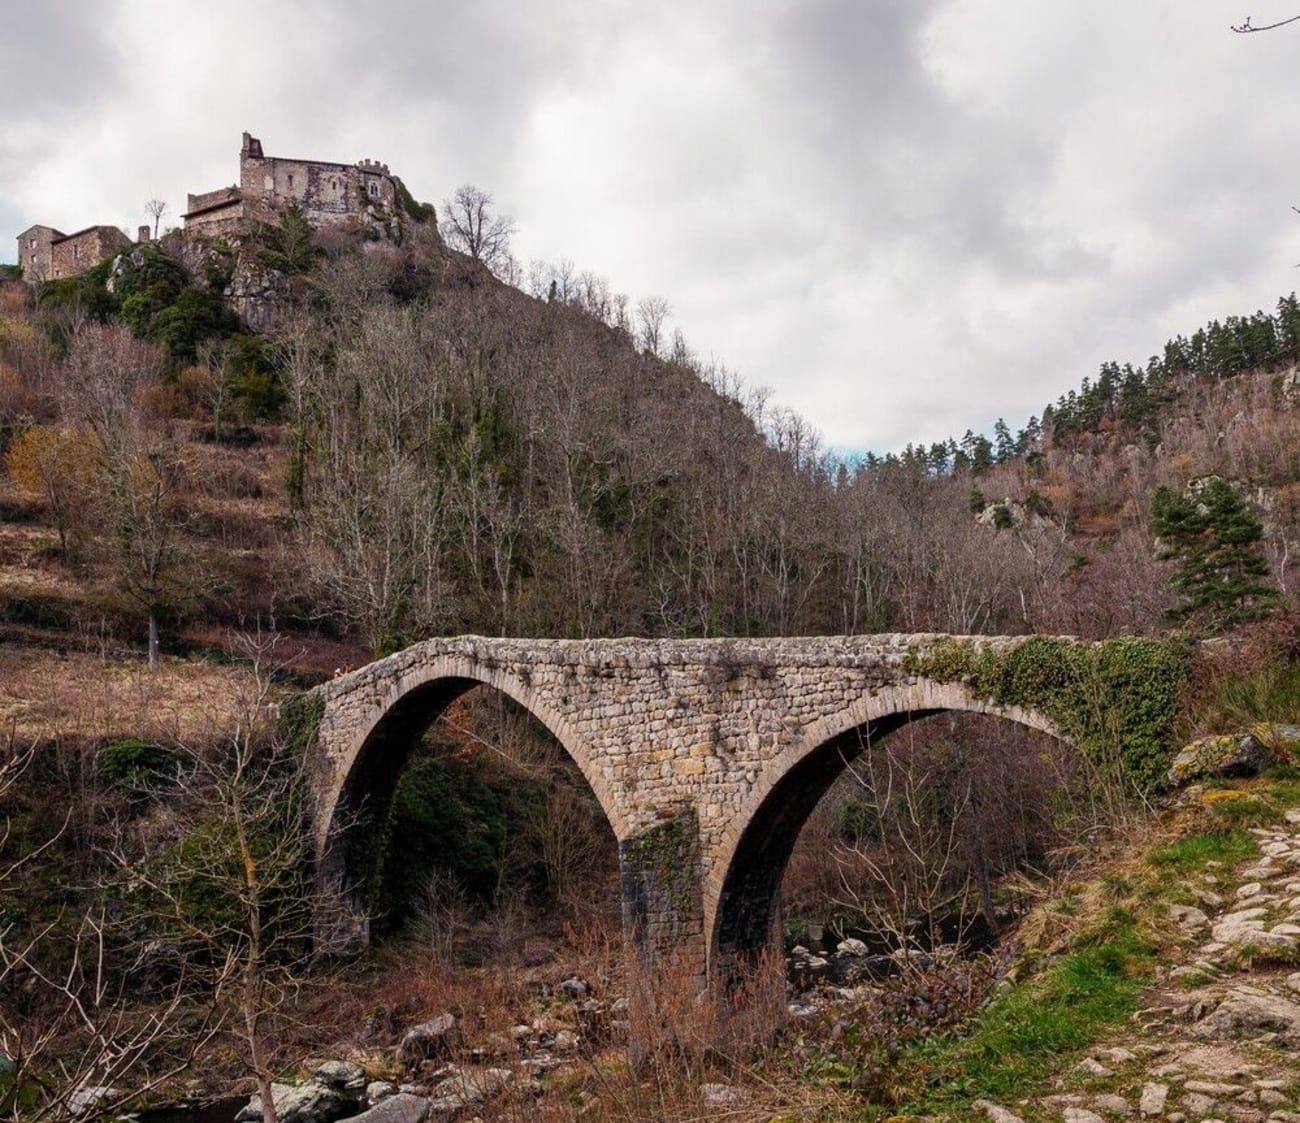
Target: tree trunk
x=153, y=641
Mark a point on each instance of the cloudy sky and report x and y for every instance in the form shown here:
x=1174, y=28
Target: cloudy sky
x=904, y=217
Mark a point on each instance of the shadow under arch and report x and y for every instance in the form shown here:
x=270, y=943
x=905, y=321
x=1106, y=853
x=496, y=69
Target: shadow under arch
x=373, y=764
x=741, y=903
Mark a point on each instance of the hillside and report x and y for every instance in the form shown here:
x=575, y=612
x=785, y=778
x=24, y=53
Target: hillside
x=413, y=447
x=409, y=447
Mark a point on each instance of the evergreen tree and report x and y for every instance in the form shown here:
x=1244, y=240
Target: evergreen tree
x=1214, y=538
x=1004, y=446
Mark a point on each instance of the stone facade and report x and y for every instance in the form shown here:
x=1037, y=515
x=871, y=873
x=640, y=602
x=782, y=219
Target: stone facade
x=46, y=254
x=706, y=755
x=326, y=193
x=215, y=213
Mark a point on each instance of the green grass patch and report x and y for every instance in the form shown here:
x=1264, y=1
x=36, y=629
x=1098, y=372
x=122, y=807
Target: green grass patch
x=1271, y=693
x=1038, y=1028
x=1189, y=854
x=1247, y=811
x=1282, y=787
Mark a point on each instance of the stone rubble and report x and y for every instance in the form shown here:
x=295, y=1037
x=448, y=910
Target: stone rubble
x=1218, y=1045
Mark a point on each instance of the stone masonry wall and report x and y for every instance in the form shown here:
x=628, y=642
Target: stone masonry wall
x=658, y=727
x=79, y=251
x=682, y=741
x=45, y=254
x=325, y=192
x=35, y=252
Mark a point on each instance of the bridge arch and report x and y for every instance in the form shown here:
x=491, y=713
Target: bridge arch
x=742, y=886
x=367, y=766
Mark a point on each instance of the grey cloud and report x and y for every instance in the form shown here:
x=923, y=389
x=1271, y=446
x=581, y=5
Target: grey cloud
x=57, y=57
x=906, y=216
x=896, y=157
x=481, y=64
x=57, y=62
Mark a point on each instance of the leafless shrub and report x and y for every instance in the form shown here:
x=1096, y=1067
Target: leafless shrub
x=911, y=844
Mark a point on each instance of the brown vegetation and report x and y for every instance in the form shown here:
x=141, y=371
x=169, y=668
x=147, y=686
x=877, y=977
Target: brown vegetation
x=423, y=450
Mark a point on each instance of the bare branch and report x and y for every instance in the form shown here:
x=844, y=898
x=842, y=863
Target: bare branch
x=1246, y=27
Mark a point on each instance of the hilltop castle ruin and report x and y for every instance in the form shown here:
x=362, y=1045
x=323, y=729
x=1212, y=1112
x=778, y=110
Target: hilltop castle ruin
x=328, y=194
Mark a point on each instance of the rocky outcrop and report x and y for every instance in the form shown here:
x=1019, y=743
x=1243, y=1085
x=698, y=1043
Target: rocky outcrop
x=1249, y=1012
x=255, y=292
x=1235, y=754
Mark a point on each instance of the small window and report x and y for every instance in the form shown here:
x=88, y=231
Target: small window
x=374, y=189
x=290, y=180
x=31, y=244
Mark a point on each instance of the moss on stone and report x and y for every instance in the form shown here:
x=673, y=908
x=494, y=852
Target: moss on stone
x=1115, y=700
x=661, y=870
x=300, y=718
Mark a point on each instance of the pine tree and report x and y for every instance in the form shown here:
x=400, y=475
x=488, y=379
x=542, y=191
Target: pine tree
x=1214, y=538
x=1004, y=445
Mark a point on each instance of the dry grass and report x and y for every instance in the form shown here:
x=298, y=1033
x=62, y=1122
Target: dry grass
x=47, y=695
x=364, y=1018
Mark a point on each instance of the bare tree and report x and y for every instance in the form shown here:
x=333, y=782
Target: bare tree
x=372, y=526
x=651, y=312
x=71, y=1026
x=105, y=378
x=469, y=224
x=911, y=871
x=234, y=890
x=155, y=209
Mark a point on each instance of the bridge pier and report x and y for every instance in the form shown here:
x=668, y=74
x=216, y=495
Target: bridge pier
x=663, y=929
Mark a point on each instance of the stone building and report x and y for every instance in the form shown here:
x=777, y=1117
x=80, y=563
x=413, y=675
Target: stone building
x=46, y=254
x=326, y=193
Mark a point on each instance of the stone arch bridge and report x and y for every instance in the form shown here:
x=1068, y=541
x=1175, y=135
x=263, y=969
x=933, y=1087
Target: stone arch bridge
x=707, y=756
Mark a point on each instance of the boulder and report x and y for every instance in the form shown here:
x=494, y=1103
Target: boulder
x=1248, y=1012
x=378, y=1090
x=311, y=1102
x=1224, y=755
x=1111, y=1104
x=400, y=1108
x=90, y=1096
x=575, y=987
x=1236, y=754
x=722, y=1095
x=1153, y=1099
x=1240, y=927
x=1188, y=917
x=429, y=1040
x=996, y=1112
x=343, y=1075
x=469, y=1086
x=593, y=1019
